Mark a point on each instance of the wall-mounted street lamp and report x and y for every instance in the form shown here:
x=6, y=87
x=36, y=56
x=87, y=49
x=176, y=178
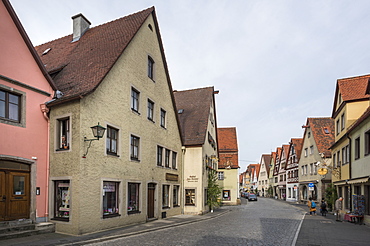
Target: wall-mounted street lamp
x=98, y=132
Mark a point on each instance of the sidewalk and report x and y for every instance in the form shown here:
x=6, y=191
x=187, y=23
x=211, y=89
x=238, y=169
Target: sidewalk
x=62, y=239
x=320, y=230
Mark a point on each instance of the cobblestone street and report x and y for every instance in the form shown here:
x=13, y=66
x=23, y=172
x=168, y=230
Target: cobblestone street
x=265, y=222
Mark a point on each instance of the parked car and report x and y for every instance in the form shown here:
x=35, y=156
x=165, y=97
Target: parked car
x=252, y=197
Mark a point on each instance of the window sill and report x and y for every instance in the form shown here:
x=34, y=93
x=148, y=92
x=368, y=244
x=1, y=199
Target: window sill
x=61, y=219
x=135, y=159
x=164, y=127
x=135, y=111
x=189, y=204
x=176, y=206
x=151, y=120
x=110, y=216
x=133, y=212
x=113, y=154
x=167, y=207
x=62, y=149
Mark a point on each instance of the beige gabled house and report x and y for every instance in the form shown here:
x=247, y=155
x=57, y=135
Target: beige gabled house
x=228, y=165
x=315, y=166
x=294, y=153
x=352, y=98
x=271, y=182
x=197, y=116
x=113, y=76
x=359, y=133
x=263, y=177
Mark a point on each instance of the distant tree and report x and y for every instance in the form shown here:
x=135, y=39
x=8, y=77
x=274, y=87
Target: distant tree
x=270, y=191
x=214, y=190
x=331, y=195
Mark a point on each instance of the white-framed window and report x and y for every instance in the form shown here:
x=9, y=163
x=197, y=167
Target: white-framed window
x=110, y=199
x=311, y=149
x=150, y=68
x=163, y=118
x=226, y=196
x=167, y=154
x=150, y=110
x=63, y=133
x=112, y=141
x=220, y=175
x=190, y=197
x=133, y=198
x=367, y=143
x=135, y=145
x=306, y=152
x=165, y=196
x=342, y=122
x=159, y=155
x=357, y=148
x=311, y=168
x=135, y=97
x=62, y=200
x=10, y=106
x=174, y=160
x=175, y=196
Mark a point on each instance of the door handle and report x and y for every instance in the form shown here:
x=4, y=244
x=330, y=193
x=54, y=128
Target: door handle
x=4, y=197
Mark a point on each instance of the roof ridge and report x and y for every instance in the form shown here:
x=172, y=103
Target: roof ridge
x=99, y=25
x=202, y=88
x=355, y=77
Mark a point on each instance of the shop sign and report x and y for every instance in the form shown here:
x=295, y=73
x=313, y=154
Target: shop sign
x=172, y=177
x=192, y=178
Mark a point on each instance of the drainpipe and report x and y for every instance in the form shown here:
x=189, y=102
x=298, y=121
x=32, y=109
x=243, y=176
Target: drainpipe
x=45, y=111
x=183, y=150
x=350, y=168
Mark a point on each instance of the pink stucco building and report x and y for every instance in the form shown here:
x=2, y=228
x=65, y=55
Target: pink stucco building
x=24, y=88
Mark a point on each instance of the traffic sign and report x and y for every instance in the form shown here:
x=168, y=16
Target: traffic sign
x=311, y=185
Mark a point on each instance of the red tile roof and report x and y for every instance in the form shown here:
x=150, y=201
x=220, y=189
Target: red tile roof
x=82, y=65
x=352, y=89
x=227, y=147
x=252, y=169
x=322, y=139
x=195, y=106
x=267, y=160
x=298, y=143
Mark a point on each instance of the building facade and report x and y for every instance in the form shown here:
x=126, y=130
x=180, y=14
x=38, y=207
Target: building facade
x=25, y=87
x=197, y=116
x=228, y=165
x=133, y=172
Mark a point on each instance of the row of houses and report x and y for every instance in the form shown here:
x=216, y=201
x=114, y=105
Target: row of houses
x=334, y=150
x=93, y=134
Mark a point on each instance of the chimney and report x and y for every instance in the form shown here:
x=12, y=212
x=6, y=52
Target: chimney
x=80, y=26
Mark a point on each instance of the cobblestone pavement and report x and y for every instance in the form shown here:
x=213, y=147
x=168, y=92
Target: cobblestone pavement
x=265, y=222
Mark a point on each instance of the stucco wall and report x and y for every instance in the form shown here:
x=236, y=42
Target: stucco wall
x=109, y=105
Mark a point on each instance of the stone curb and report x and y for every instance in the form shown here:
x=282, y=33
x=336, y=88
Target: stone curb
x=175, y=224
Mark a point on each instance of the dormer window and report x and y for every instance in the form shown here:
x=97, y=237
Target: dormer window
x=326, y=130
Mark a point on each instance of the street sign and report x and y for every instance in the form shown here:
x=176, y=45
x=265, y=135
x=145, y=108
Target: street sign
x=311, y=185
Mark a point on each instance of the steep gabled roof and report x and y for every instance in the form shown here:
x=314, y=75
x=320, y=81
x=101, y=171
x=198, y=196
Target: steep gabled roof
x=298, y=143
x=227, y=147
x=277, y=160
x=193, y=113
x=79, y=67
x=253, y=169
x=322, y=129
x=28, y=42
x=267, y=160
x=352, y=89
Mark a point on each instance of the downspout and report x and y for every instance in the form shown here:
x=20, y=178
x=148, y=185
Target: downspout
x=350, y=169
x=183, y=150
x=45, y=111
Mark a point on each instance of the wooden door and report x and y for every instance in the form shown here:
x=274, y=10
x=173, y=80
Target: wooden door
x=15, y=195
x=2, y=196
x=151, y=199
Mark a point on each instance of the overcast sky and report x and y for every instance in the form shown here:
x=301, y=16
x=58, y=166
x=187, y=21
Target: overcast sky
x=274, y=62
